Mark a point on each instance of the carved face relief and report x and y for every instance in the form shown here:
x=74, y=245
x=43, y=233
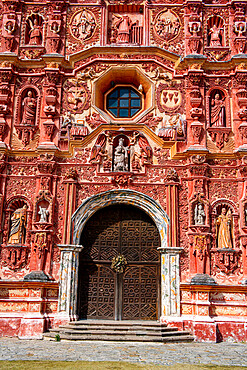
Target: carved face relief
x=76, y=95
x=82, y=25
x=167, y=25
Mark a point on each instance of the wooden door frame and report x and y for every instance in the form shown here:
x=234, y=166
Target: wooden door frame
x=170, y=291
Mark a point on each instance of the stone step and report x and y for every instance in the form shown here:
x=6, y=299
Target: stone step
x=117, y=332
x=134, y=338
x=110, y=330
x=118, y=323
x=118, y=328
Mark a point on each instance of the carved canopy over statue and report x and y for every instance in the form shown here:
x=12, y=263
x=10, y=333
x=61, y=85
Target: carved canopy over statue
x=18, y=226
x=224, y=229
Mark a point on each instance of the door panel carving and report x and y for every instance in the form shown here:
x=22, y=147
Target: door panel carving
x=103, y=292
x=140, y=293
x=97, y=292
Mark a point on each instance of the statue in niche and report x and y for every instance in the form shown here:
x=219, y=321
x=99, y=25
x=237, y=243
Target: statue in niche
x=194, y=28
x=43, y=212
x=215, y=34
x=9, y=27
x=224, y=229
x=123, y=25
x=18, y=226
x=55, y=27
x=35, y=33
x=121, y=157
x=199, y=215
x=218, y=117
x=29, y=109
x=240, y=28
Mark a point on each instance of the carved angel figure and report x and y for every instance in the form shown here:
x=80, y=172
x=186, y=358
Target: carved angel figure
x=98, y=151
x=224, y=229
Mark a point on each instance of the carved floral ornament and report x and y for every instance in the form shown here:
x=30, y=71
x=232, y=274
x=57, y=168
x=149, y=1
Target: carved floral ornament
x=119, y=264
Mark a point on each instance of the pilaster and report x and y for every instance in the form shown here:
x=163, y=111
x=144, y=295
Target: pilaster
x=170, y=280
x=67, y=300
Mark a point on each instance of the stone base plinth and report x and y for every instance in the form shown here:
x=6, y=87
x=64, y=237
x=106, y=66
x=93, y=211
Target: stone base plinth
x=31, y=328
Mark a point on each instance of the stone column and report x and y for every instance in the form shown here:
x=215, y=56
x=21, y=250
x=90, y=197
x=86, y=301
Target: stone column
x=170, y=280
x=67, y=301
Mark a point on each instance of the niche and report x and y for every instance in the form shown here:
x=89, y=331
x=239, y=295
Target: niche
x=34, y=30
x=215, y=34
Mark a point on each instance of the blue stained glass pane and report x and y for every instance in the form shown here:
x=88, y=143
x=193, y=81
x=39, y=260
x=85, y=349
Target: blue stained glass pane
x=114, y=94
x=113, y=111
x=133, y=111
x=123, y=113
x=123, y=92
x=133, y=94
x=135, y=103
x=112, y=103
x=124, y=102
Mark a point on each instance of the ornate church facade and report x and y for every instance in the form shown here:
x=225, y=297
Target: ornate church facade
x=123, y=164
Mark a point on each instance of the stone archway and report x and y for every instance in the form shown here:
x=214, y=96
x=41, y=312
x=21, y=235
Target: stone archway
x=170, y=300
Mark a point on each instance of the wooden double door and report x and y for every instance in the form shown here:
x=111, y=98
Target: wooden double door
x=128, y=289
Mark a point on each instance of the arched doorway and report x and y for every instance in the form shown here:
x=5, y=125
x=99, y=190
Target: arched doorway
x=131, y=294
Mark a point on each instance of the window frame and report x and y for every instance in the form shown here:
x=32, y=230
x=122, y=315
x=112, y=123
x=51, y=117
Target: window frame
x=121, y=98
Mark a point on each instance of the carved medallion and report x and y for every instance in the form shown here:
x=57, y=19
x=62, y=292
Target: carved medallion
x=167, y=25
x=76, y=95
x=82, y=25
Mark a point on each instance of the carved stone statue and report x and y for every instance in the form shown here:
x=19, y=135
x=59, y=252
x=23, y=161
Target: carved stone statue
x=35, y=33
x=43, y=212
x=194, y=28
x=240, y=28
x=224, y=229
x=124, y=25
x=9, y=27
x=218, y=118
x=199, y=215
x=55, y=27
x=121, y=157
x=18, y=226
x=29, y=109
x=215, y=36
